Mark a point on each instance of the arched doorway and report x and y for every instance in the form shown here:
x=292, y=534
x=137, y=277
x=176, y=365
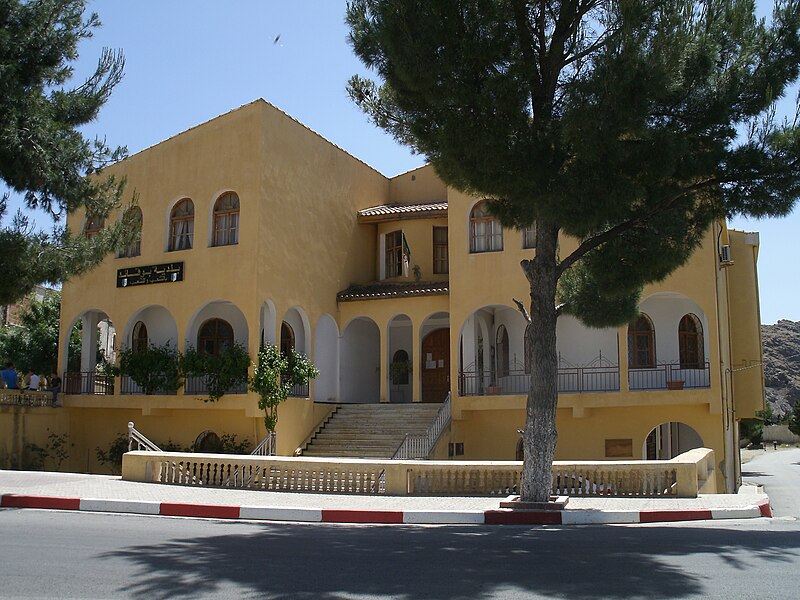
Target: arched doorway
x=668, y=440
x=435, y=365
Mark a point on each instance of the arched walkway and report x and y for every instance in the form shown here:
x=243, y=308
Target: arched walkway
x=668, y=440
x=326, y=360
x=401, y=359
x=87, y=359
x=360, y=367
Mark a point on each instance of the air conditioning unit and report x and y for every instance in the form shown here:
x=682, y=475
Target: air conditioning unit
x=725, y=254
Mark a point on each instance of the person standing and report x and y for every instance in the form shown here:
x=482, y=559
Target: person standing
x=10, y=377
x=55, y=386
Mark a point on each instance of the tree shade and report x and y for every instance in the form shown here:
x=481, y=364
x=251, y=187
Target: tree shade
x=630, y=125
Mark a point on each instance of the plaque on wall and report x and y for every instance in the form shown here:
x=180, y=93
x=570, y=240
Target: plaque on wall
x=166, y=273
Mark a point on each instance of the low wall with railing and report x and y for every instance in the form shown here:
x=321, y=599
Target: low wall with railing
x=681, y=477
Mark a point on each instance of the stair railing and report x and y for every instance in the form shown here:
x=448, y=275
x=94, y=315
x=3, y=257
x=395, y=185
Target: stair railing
x=267, y=446
x=421, y=445
x=138, y=441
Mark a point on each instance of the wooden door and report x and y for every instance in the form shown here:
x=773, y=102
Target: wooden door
x=435, y=365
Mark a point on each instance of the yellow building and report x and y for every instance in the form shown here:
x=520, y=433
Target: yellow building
x=255, y=229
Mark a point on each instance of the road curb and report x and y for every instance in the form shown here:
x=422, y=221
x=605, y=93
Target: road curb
x=417, y=517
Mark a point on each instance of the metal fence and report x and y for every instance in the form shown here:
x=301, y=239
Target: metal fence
x=196, y=384
x=570, y=380
x=88, y=382
x=129, y=386
x=669, y=376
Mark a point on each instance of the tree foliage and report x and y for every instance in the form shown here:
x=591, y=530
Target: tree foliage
x=222, y=372
x=629, y=125
x=43, y=155
x=34, y=344
x=274, y=376
x=157, y=369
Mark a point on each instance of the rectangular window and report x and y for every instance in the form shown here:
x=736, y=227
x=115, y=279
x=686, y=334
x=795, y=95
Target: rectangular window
x=394, y=254
x=529, y=237
x=226, y=229
x=181, y=234
x=440, y=257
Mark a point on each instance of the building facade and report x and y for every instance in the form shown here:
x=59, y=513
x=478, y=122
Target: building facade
x=257, y=230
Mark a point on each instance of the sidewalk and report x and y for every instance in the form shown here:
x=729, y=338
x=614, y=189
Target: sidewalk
x=102, y=493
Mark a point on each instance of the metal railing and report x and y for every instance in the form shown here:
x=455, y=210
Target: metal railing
x=299, y=391
x=421, y=446
x=570, y=380
x=669, y=376
x=128, y=386
x=196, y=384
x=138, y=441
x=267, y=446
x=88, y=382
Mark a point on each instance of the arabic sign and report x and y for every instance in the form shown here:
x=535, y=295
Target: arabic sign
x=166, y=273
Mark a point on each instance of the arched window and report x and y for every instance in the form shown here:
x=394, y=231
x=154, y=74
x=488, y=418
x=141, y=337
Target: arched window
x=641, y=343
x=181, y=225
x=502, y=351
x=133, y=217
x=226, y=220
x=139, y=337
x=400, y=368
x=93, y=226
x=690, y=342
x=485, y=231
x=215, y=336
x=287, y=339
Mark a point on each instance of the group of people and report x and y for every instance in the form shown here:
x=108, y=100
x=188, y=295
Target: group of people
x=10, y=379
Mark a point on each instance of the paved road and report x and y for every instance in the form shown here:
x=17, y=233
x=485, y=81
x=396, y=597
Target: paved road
x=87, y=555
x=51, y=554
x=779, y=473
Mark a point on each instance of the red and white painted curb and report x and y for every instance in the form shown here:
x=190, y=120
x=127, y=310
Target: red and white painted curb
x=417, y=517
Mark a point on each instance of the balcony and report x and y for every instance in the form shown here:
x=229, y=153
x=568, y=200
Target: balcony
x=128, y=386
x=196, y=384
x=88, y=383
x=589, y=379
x=669, y=376
x=571, y=380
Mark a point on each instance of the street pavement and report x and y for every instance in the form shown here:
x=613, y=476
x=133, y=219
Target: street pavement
x=71, y=491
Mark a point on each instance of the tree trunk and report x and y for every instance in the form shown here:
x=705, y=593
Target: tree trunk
x=540, y=436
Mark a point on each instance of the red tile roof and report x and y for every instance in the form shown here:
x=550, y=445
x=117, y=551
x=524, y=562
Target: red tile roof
x=381, y=291
x=394, y=212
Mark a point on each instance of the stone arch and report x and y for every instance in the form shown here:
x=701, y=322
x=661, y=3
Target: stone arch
x=360, y=367
x=669, y=439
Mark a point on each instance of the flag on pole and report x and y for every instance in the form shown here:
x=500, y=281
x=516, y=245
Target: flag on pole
x=406, y=256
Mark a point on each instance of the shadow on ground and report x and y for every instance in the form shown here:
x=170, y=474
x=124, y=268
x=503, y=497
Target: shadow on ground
x=447, y=563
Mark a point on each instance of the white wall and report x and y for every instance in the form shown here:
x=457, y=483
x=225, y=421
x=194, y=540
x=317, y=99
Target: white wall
x=161, y=327
x=400, y=339
x=580, y=346
x=359, y=362
x=326, y=359
x=666, y=311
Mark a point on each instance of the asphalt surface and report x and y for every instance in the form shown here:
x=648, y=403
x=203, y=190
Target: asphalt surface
x=779, y=473
x=89, y=555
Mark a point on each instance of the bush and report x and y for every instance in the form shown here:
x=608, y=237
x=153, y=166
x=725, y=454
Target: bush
x=112, y=457
x=222, y=372
x=155, y=368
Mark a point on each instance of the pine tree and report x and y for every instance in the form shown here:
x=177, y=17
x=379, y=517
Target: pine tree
x=618, y=123
x=43, y=156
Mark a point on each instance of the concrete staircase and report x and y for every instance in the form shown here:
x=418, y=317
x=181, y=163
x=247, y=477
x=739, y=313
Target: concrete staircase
x=369, y=430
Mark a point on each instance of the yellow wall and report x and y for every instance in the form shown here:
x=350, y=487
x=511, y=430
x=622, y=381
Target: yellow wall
x=300, y=243
x=748, y=372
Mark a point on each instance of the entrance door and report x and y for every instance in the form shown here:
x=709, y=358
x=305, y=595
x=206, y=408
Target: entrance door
x=435, y=365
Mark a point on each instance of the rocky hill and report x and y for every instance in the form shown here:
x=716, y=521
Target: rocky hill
x=782, y=365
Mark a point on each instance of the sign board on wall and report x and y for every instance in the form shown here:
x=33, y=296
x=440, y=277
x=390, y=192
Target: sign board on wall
x=165, y=273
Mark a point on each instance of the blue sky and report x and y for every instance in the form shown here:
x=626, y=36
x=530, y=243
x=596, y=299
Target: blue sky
x=189, y=61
